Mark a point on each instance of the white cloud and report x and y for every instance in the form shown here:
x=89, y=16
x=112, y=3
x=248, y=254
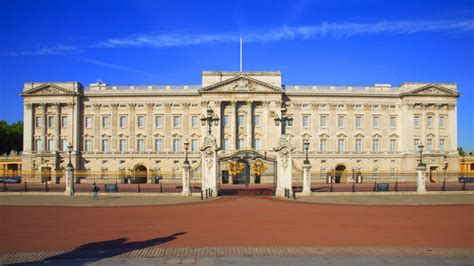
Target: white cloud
x=114, y=66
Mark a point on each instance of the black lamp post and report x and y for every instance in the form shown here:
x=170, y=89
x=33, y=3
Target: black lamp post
x=186, y=147
x=420, y=148
x=285, y=117
x=211, y=117
x=69, y=149
x=306, y=148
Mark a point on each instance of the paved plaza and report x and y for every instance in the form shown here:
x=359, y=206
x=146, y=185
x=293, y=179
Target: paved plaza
x=233, y=226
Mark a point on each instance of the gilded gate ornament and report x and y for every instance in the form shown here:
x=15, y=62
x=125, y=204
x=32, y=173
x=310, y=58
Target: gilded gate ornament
x=235, y=167
x=258, y=167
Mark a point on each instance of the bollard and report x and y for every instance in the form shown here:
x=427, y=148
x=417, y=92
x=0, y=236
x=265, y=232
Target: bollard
x=375, y=185
x=353, y=186
x=294, y=195
x=26, y=187
x=331, y=186
x=396, y=186
x=46, y=189
x=138, y=185
x=206, y=192
x=444, y=185
x=202, y=196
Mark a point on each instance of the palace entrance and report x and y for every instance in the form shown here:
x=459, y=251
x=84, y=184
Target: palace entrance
x=140, y=174
x=246, y=172
x=340, y=172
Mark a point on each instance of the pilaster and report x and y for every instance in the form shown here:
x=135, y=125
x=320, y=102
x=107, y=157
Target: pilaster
x=113, y=139
x=132, y=126
x=97, y=126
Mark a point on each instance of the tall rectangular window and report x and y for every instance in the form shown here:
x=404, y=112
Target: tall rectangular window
x=50, y=121
x=176, y=145
x=88, y=145
x=416, y=121
x=241, y=120
x=393, y=145
x=358, y=121
x=194, y=121
x=226, y=145
x=38, y=121
x=176, y=121
x=158, y=121
x=324, y=121
x=63, y=121
x=241, y=143
x=416, y=142
x=123, y=145
x=123, y=121
x=375, y=145
x=194, y=145
x=256, y=120
x=158, y=145
x=376, y=122
x=141, y=145
x=441, y=145
x=257, y=144
x=340, y=145
x=51, y=145
x=305, y=121
x=323, y=145
x=358, y=146
x=105, y=121
x=64, y=144
x=441, y=121
x=429, y=121
x=393, y=122
x=38, y=145
x=429, y=144
x=340, y=121
x=88, y=122
x=225, y=121
x=105, y=145
x=141, y=121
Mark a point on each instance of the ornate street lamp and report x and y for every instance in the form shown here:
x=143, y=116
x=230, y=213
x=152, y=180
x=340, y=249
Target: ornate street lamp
x=285, y=118
x=210, y=118
x=306, y=148
x=186, y=147
x=420, y=148
x=69, y=149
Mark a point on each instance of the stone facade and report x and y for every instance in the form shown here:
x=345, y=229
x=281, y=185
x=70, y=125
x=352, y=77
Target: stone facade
x=118, y=130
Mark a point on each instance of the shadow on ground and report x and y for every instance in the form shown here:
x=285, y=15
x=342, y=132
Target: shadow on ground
x=96, y=251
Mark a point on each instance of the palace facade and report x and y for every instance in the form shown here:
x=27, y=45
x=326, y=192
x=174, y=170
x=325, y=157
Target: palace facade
x=118, y=130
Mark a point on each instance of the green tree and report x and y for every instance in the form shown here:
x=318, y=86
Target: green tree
x=11, y=137
x=461, y=151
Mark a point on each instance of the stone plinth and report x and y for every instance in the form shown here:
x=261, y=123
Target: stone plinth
x=284, y=166
x=420, y=178
x=69, y=180
x=186, y=190
x=306, y=180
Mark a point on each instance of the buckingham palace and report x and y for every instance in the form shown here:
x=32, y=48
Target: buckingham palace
x=116, y=131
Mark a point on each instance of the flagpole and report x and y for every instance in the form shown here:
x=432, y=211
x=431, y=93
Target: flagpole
x=240, y=53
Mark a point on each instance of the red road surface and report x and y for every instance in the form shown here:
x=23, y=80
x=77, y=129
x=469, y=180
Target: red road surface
x=241, y=221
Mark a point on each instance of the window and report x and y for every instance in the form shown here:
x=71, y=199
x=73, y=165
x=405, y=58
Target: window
x=51, y=145
x=176, y=145
x=141, y=145
x=64, y=121
x=441, y=145
x=194, y=145
x=50, y=121
x=393, y=122
x=340, y=145
x=194, y=121
x=176, y=121
x=64, y=144
x=241, y=143
x=340, y=121
x=141, y=121
x=226, y=145
x=123, y=121
x=393, y=145
x=38, y=121
x=105, y=145
x=241, y=120
x=123, y=145
x=88, y=145
x=323, y=145
x=429, y=144
x=416, y=121
x=416, y=142
x=158, y=121
x=375, y=145
x=324, y=121
x=358, y=147
x=305, y=121
x=38, y=145
x=358, y=121
x=225, y=121
x=376, y=122
x=88, y=122
x=256, y=120
x=105, y=122
x=441, y=121
x=429, y=121
x=158, y=145
x=257, y=144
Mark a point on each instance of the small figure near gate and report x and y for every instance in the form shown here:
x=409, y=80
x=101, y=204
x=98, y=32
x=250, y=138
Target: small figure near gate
x=95, y=192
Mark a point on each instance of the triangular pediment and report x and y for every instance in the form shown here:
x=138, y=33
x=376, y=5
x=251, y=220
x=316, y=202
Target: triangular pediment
x=48, y=89
x=432, y=90
x=241, y=84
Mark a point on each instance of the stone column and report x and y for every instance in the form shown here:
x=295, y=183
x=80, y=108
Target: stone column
x=306, y=180
x=453, y=128
x=28, y=118
x=57, y=132
x=233, y=125
x=209, y=164
x=186, y=190
x=217, y=130
x=76, y=128
x=249, y=125
x=284, y=166
x=168, y=123
x=69, y=180
x=97, y=126
x=265, y=125
x=113, y=139
x=131, y=127
x=45, y=126
x=420, y=179
x=149, y=127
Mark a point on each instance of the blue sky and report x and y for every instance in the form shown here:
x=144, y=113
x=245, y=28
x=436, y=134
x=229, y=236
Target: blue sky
x=171, y=42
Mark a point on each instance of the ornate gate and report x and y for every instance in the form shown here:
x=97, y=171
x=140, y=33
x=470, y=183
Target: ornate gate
x=246, y=172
